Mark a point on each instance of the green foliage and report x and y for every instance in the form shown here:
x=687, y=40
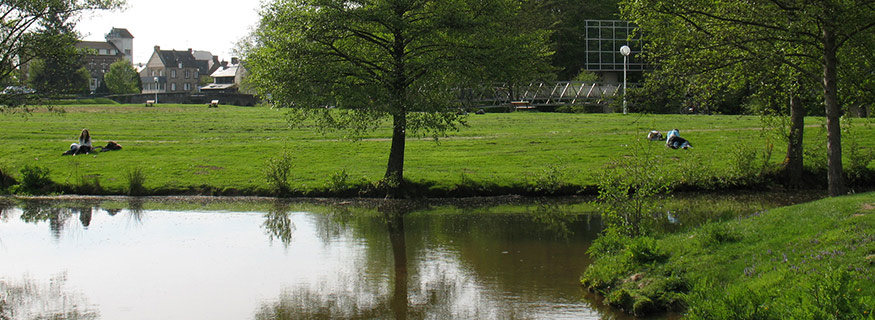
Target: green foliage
x=135, y=178
x=35, y=180
x=276, y=172
x=858, y=157
x=48, y=78
x=587, y=76
x=609, y=242
x=6, y=178
x=339, y=181
x=550, y=180
x=122, y=78
x=389, y=58
x=644, y=250
x=627, y=186
x=748, y=164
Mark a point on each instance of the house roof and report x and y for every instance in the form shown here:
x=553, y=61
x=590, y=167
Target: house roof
x=96, y=45
x=172, y=58
x=230, y=71
x=120, y=33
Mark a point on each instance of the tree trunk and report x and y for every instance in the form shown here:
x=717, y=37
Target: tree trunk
x=833, y=112
x=793, y=164
x=395, y=222
x=395, y=168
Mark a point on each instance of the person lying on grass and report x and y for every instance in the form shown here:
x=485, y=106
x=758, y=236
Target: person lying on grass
x=675, y=141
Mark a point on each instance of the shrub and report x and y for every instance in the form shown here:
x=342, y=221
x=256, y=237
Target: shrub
x=627, y=188
x=550, y=180
x=609, y=242
x=135, y=178
x=6, y=178
x=644, y=250
x=35, y=179
x=88, y=184
x=339, y=181
x=277, y=173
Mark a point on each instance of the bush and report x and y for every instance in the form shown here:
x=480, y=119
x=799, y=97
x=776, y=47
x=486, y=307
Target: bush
x=608, y=243
x=277, y=173
x=6, y=178
x=35, y=180
x=550, y=180
x=645, y=250
x=339, y=181
x=135, y=177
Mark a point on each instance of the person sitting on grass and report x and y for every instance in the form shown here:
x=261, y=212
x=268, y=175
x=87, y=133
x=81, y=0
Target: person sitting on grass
x=675, y=141
x=84, y=145
x=654, y=135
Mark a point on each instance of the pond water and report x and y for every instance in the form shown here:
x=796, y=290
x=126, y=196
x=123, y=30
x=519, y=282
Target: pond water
x=198, y=259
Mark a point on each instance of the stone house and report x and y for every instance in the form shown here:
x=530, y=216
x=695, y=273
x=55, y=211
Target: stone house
x=119, y=45
x=227, y=78
x=170, y=71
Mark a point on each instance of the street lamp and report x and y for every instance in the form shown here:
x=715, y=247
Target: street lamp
x=625, y=51
x=156, y=89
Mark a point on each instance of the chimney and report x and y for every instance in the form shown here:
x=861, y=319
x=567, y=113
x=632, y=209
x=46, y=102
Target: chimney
x=189, y=50
x=157, y=48
x=235, y=60
x=224, y=64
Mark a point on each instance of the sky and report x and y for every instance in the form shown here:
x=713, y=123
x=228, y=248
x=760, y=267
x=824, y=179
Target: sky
x=208, y=25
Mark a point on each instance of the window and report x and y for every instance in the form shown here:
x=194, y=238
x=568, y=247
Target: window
x=187, y=74
x=173, y=73
x=195, y=75
x=161, y=73
x=173, y=86
x=187, y=86
x=153, y=73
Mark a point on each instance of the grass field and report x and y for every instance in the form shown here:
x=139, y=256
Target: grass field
x=191, y=148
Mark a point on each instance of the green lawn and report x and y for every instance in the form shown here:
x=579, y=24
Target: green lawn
x=183, y=147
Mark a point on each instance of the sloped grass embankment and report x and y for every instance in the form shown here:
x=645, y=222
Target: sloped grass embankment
x=807, y=261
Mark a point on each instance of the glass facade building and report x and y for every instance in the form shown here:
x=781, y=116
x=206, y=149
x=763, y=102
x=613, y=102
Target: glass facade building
x=603, y=41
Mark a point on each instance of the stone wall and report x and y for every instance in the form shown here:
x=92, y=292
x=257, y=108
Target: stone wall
x=237, y=99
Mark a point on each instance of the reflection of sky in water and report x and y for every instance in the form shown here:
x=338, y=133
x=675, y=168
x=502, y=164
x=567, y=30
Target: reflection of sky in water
x=220, y=265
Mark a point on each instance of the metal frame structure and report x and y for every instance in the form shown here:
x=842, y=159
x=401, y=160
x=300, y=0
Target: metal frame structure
x=603, y=41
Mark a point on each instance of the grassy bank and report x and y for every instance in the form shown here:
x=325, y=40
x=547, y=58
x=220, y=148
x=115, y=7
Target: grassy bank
x=191, y=149
x=808, y=261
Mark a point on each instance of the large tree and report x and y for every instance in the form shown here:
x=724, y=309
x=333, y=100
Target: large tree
x=805, y=35
x=31, y=29
x=122, y=78
x=350, y=64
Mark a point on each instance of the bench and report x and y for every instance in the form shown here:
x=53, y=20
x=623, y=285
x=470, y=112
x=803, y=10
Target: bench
x=150, y=103
x=214, y=104
x=518, y=105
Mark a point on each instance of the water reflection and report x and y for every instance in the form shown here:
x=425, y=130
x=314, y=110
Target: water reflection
x=298, y=259
x=29, y=299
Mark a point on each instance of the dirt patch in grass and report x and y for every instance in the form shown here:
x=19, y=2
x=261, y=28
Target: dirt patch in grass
x=207, y=169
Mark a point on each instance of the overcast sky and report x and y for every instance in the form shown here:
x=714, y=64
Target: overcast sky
x=213, y=26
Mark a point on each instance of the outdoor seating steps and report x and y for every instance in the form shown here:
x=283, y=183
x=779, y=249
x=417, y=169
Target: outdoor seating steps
x=214, y=104
x=150, y=103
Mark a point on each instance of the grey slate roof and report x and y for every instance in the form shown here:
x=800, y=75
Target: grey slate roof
x=173, y=58
x=120, y=33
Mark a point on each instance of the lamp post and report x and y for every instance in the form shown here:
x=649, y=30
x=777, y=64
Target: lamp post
x=156, y=89
x=625, y=50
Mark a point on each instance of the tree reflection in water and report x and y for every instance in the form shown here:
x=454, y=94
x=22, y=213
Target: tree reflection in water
x=29, y=299
x=361, y=298
x=277, y=223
